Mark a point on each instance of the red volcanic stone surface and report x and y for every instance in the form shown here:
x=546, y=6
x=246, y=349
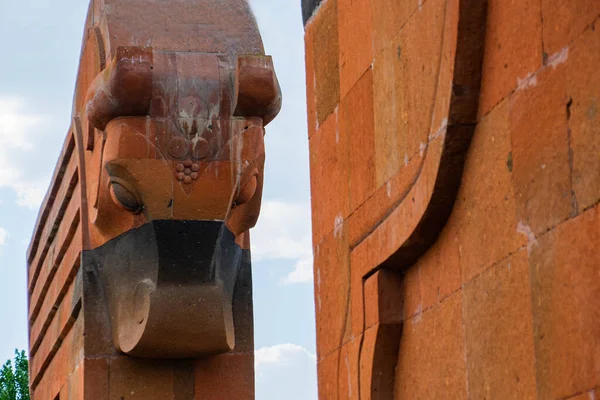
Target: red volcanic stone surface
x=501, y=303
x=171, y=102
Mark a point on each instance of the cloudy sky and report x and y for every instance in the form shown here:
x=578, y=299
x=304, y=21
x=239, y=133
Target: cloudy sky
x=40, y=42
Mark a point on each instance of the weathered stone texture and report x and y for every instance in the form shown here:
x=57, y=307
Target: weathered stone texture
x=503, y=303
x=139, y=272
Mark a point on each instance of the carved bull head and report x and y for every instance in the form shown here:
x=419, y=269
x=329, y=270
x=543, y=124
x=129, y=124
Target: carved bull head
x=174, y=163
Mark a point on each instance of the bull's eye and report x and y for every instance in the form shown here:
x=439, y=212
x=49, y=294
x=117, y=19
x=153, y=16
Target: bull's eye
x=124, y=197
x=247, y=192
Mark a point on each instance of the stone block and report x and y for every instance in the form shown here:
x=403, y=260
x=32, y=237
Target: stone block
x=328, y=375
x=390, y=145
x=384, y=298
x=309, y=64
x=431, y=363
x=355, y=41
x=499, y=332
x=53, y=323
x=513, y=48
x=349, y=369
x=384, y=241
x=413, y=299
x=440, y=267
x=378, y=358
x=184, y=378
x=541, y=173
x=59, y=365
x=584, y=116
x=58, y=290
x=389, y=17
x=565, y=20
x=357, y=300
x=125, y=382
x=565, y=289
x=330, y=175
x=486, y=201
x=213, y=377
x=404, y=104
x=589, y=395
x=47, y=233
x=66, y=245
x=375, y=209
x=418, y=50
x=74, y=388
x=326, y=59
x=356, y=124
x=332, y=289
x=48, y=346
x=96, y=378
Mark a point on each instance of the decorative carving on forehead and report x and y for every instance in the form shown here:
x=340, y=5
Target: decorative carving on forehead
x=140, y=81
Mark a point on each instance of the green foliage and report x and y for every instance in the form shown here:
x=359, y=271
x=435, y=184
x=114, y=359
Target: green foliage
x=14, y=381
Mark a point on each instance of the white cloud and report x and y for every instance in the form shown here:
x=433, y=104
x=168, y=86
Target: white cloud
x=283, y=232
x=3, y=238
x=19, y=136
x=280, y=354
x=285, y=371
x=30, y=194
x=16, y=125
x=302, y=273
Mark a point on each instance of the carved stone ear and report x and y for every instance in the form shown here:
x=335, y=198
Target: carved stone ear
x=124, y=88
x=257, y=91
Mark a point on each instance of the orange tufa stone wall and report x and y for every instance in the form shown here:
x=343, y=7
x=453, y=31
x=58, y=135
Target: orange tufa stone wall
x=434, y=281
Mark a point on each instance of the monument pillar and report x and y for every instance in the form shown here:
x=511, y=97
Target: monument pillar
x=140, y=282
x=455, y=178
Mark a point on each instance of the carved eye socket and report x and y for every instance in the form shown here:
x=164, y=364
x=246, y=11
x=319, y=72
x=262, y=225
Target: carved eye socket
x=247, y=192
x=125, y=197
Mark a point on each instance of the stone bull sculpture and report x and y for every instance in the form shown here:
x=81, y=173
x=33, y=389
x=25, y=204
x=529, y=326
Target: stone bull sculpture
x=158, y=184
